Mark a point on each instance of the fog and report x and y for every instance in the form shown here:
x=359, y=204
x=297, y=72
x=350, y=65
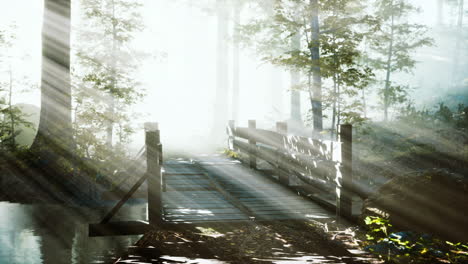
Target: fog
x=178, y=71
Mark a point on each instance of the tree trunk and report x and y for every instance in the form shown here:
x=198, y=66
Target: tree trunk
x=236, y=64
x=111, y=100
x=221, y=103
x=364, y=102
x=316, y=99
x=55, y=124
x=338, y=111
x=296, y=116
x=10, y=108
x=334, y=110
x=440, y=12
x=458, y=41
x=389, y=70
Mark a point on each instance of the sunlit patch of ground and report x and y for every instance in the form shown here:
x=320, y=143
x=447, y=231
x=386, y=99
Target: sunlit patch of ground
x=272, y=242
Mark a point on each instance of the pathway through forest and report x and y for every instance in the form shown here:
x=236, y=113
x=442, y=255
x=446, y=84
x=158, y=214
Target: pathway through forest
x=237, y=215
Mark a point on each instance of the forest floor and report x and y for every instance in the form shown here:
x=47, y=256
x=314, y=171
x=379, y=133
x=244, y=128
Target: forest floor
x=291, y=241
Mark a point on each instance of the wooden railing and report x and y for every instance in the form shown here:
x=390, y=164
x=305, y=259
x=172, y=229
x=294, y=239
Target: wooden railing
x=302, y=163
x=154, y=161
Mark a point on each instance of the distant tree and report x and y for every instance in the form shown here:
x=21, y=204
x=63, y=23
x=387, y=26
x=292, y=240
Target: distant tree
x=393, y=46
x=12, y=118
x=55, y=126
x=459, y=48
x=345, y=28
x=105, y=86
x=314, y=46
x=295, y=103
x=236, y=15
x=222, y=85
x=287, y=40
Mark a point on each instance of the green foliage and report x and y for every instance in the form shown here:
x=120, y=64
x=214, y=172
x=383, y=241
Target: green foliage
x=410, y=247
x=456, y=118
x=282, y=36
x=417, y=137
x=105, y=85
x=231, y=154
x=393, y=46
x=378, y=228
x=11, y=117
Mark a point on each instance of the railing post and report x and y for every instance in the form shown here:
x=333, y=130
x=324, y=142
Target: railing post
x=345, y=202
x=154, y=163
x=230, y=132
x=253, y=145
x=282, y=128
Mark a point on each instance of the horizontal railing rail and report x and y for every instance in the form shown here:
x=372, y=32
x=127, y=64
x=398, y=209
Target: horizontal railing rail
x=323, y=164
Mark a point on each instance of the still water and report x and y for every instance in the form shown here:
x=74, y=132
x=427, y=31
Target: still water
x=31, y=234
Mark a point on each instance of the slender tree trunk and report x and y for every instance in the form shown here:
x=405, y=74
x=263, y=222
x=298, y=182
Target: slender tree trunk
x=55, y=125
x=440, y=12
x=10, y=109
x=338, y=111
x=458, y=41
x=334, y=111
x=236, y=64
x=221, y=104
x=389, y=70
x=335, y=91
x=111, y=102
x=296, y=116
x=364, y=102
x=316, y=99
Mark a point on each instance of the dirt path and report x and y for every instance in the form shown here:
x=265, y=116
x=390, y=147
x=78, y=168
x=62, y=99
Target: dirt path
x=265, y=242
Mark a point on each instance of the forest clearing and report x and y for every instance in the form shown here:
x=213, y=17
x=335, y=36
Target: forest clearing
x=233, y=131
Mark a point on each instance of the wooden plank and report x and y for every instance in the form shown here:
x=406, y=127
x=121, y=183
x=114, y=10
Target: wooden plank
x=202, y=211
x=183, y=174
x=280, y=140
x=187, y=189
x=184, y=182
x=123, y=228
x=227, y=195
x=214, y=207
x=267, y=137
x=124, y=199
x=198, y=206
x=205, y=217
x=191, y=223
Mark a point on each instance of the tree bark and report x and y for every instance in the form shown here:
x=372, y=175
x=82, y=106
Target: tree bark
x=296, y=116
x=111, y=100
x=458, y=41
x=55, y=124
x=389, y=70
x=10, y=108
x=221, y=103
x=440, y=12
x=316, y=99
x=236, y=64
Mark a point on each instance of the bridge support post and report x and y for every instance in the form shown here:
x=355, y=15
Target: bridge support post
x=253, y=145
x=154, y=163
x=345, y=202
x=230, y=132
x=282, y=128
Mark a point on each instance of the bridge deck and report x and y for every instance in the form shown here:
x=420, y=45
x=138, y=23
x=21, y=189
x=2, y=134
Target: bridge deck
x=216, y=188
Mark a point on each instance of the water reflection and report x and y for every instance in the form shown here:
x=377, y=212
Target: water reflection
x=55, y=234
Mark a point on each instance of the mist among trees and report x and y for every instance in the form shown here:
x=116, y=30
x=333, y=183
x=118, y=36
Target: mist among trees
x=80, y=78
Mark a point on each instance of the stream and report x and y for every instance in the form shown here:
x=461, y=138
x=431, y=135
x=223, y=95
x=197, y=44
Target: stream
x=57, y=234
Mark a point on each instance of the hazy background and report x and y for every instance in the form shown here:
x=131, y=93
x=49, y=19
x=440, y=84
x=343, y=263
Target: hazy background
x=179, y=70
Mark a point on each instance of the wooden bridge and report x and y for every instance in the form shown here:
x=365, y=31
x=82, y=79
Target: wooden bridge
x=270, y=176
